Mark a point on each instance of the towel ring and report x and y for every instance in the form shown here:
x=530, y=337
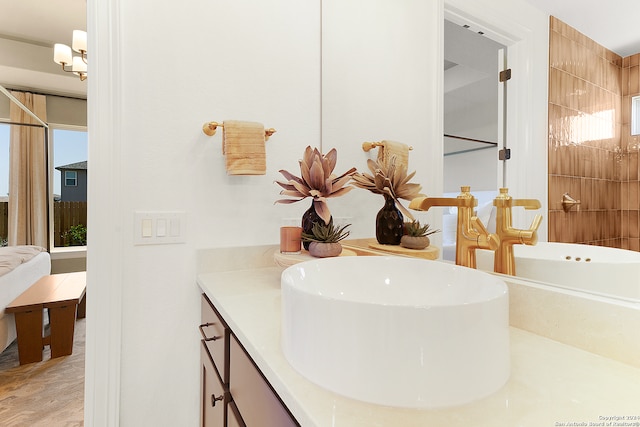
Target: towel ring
x=210, y=129
x=367, y=146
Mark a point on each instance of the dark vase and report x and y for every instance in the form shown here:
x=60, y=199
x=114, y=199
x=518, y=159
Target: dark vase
x=309, y=218
x=389, y=223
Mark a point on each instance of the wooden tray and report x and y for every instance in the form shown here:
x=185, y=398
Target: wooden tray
x=430, y=252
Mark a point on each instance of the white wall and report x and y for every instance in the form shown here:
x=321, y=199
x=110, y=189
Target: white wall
x=241, y=60
x=476, y=168
x=381, y=82
x=155, y=79
x=473, y=167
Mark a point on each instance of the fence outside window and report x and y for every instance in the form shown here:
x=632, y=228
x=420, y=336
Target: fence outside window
x=69, y=222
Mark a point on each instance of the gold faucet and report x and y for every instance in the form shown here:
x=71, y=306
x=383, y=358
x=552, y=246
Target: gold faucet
x=504, y=261
x=471, y=234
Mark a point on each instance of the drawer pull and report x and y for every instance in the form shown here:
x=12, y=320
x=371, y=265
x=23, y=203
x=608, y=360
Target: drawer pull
x=204, y=336
x=215, y=399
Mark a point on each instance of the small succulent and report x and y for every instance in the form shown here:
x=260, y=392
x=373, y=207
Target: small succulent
x=316, y=180
x=389, y=179
x=326, y=233
x=415, y=229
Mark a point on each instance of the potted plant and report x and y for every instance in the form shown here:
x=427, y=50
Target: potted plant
x=416, y=235
x=393, y=183
x=324, y=239
x=317, y=181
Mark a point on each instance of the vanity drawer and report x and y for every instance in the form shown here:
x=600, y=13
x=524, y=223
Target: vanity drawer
x=257, y=403
x=215, y=337
x=212, y=395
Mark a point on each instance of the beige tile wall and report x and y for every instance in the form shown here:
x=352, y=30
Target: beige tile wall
x=629, y=176
x=592, y=155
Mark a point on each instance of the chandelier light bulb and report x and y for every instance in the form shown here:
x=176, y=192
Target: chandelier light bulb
x=79, y=41
x=78, y=65
x=61, y=54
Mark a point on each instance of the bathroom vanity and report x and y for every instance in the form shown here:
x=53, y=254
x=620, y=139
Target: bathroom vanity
x=246, y=379
x=233, y=391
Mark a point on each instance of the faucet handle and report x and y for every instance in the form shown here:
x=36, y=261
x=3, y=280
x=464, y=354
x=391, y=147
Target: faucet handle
x=486, y=240
x=536, y=223
x=478, y=225
x=530, y=236
x=527, y=203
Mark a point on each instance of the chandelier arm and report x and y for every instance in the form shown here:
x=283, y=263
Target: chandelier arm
x=81, y=74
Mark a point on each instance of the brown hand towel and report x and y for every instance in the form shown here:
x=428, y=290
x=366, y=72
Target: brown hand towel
x=390, y=148
x=243, y=147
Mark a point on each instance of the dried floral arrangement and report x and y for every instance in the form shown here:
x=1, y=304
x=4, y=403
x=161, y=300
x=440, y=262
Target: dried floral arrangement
x=316, y=180
x=391, y=180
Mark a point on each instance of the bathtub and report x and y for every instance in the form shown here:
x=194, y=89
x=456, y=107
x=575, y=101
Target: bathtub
x=597, y=270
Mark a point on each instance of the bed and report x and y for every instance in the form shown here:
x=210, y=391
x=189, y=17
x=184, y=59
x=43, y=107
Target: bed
x=20, y=267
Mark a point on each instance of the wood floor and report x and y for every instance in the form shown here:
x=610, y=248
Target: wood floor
x=48, y=393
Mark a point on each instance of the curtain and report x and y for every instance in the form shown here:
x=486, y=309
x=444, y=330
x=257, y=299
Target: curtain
x=28, y=174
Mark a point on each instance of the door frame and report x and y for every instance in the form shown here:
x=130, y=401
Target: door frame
x=527, y=40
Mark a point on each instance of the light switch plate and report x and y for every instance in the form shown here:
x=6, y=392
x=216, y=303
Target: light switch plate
x=159, y=227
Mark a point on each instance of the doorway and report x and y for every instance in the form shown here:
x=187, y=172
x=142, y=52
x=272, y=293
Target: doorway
x=473, y=121
x=473, y=108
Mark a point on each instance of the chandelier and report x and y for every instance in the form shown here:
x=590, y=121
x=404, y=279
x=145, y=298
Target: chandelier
x=73, y=64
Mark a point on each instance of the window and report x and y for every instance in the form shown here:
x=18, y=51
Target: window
x=68, y=150
x=68, y=222
x=70, y=178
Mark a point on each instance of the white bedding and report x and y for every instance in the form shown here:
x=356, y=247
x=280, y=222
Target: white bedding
x=12, y=284
x=12, y=256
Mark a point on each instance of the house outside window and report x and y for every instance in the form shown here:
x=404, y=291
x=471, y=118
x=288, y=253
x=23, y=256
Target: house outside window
x=74, y=182
x=70, y=178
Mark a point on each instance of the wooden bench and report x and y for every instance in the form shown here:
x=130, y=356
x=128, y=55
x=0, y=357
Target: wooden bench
x=64, y=297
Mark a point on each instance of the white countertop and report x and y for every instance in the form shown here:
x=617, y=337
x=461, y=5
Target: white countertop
x=551, y=384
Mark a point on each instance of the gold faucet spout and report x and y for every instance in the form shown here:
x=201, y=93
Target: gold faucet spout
x=425, y=203
x=527, y=203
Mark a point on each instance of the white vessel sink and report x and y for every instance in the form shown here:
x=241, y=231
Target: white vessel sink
x=396, y=331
